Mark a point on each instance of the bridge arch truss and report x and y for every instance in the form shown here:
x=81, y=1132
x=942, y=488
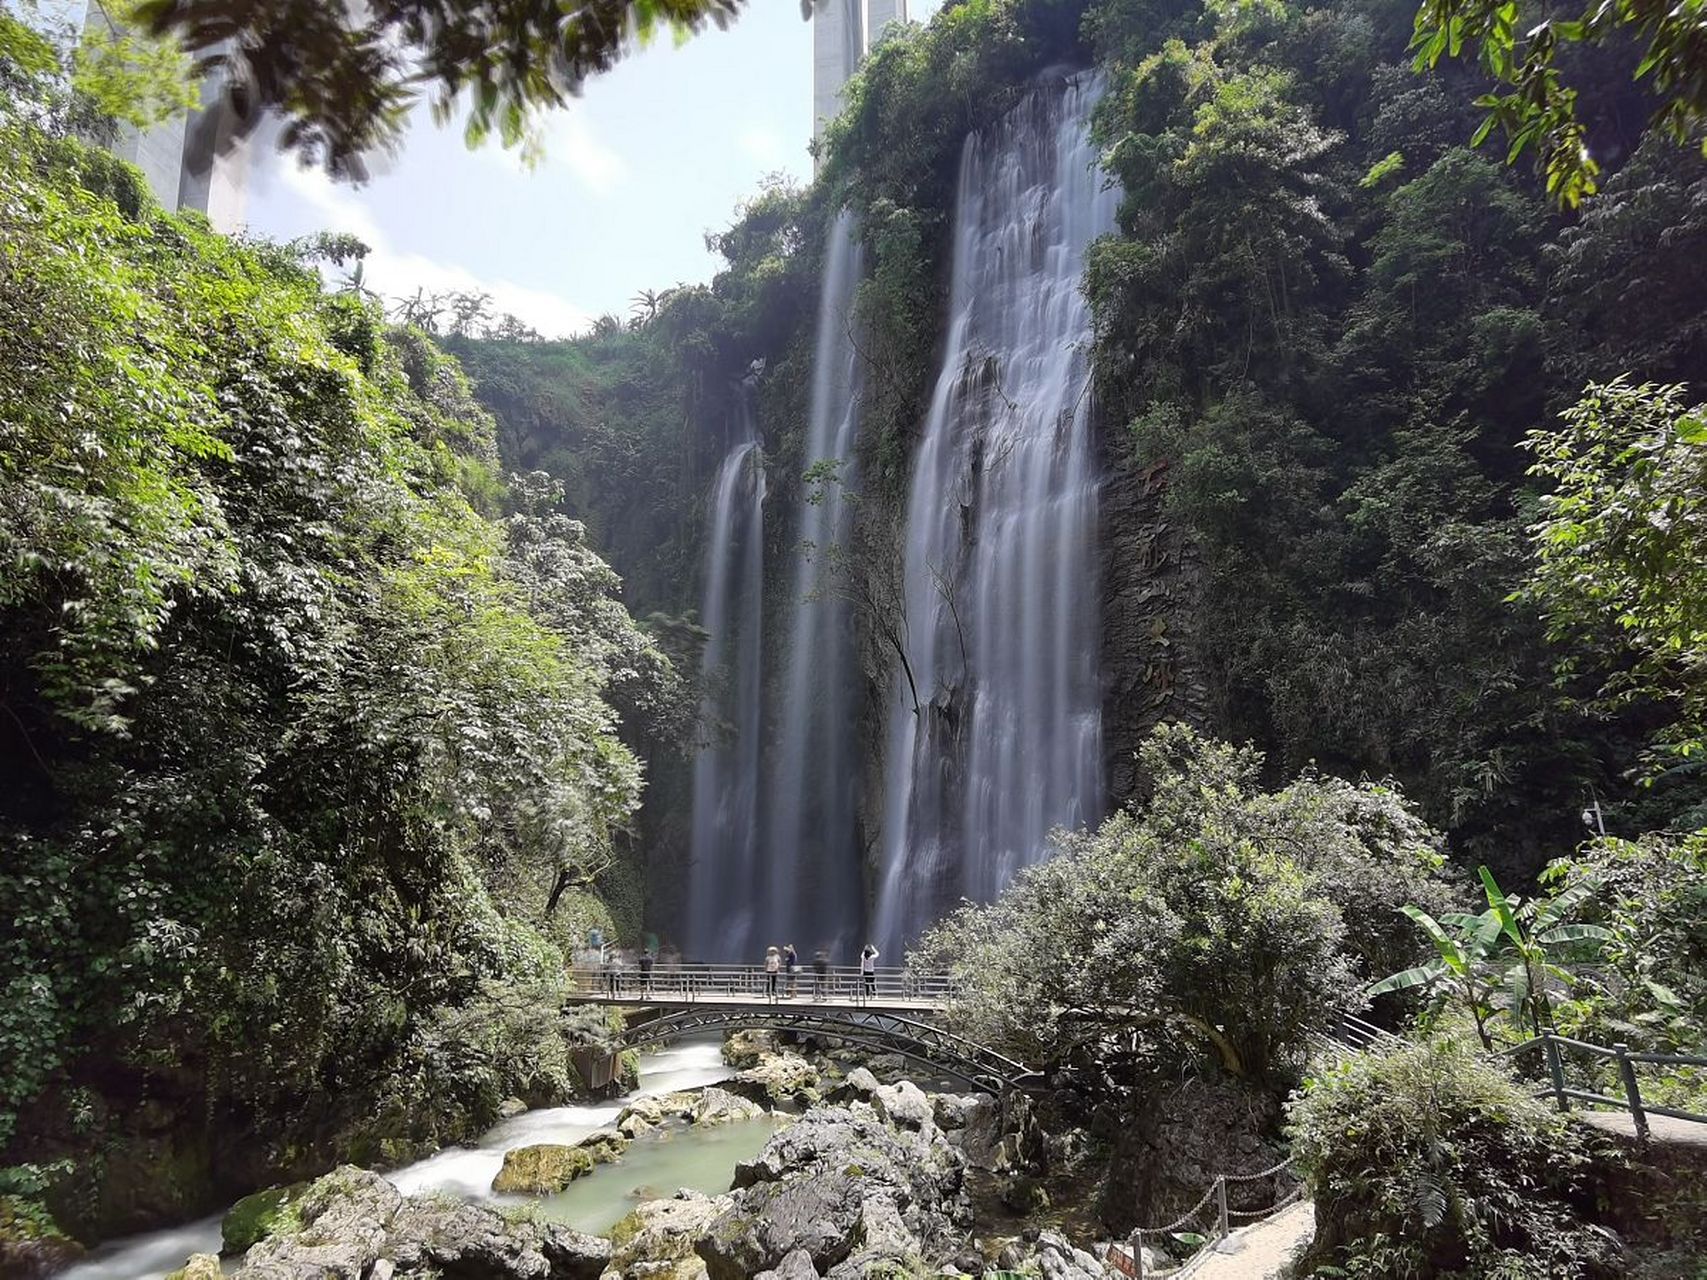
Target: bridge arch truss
x=943, y=1051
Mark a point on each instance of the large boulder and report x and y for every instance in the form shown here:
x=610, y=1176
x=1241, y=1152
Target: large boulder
x=1059, y=1260
x=341, y=1227
x=743, y=1049
x=905, y=1106
x=646, y=1114
x=841, y=1183
x=354, y=1225
x=541, y=1170
x=255, y=1217
x=657, y=1240
x=201, y=1266
x=719, y=1106
x=777, y=1080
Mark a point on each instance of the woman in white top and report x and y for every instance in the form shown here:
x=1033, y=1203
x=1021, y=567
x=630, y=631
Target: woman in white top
x=868, y=969
x=773, y=966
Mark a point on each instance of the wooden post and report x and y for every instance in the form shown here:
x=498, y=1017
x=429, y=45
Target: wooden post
x=1632, y=1091
x=1556, y=1069
x=1221, y=1204
x=1138, y=1253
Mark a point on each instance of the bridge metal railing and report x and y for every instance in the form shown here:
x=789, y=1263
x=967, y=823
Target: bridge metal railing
x=1553, y=1048
x=701, y=983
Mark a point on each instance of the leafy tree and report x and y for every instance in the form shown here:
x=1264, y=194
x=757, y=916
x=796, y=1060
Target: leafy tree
x=1621, y=557
x=1431, y=1161
x=299, y=733
x=345, y=79
x=1506, y=959
x=1535, y=106
x=1208, y=916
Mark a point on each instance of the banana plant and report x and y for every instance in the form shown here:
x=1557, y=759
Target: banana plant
x=1501, y=959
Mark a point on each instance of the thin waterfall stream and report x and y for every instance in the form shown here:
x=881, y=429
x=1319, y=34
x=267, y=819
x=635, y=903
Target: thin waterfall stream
x=722, y=918
x=1000, y=577
x=812, y=886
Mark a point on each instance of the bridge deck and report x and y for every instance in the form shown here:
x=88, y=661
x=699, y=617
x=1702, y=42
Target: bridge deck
x=664, y=998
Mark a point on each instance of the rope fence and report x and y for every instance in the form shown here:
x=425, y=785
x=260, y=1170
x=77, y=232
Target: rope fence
x=1128, y=1259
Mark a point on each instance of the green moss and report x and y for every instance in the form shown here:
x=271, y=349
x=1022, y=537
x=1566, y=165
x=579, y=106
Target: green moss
x=542, y=1169
x=254, y=1218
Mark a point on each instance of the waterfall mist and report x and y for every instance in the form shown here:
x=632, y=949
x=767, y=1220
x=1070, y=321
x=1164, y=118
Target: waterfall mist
x=1000, y=544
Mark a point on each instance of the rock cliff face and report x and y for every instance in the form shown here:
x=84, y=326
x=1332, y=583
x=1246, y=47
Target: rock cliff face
x=1151, y=580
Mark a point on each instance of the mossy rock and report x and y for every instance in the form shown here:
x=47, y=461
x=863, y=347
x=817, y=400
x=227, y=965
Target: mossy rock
x=604, y=1148
x=541, y=1170
x=201, y=1266
x=254, y=1218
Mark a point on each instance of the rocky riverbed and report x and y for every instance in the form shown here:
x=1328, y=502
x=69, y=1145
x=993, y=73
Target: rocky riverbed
x=860, y=1177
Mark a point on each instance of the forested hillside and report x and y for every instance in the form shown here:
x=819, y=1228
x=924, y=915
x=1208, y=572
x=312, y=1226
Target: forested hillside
x=1322, y=333
x=309, y=719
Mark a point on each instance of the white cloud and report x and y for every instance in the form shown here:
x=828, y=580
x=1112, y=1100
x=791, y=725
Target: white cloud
x=394, y=274
x=567, y=145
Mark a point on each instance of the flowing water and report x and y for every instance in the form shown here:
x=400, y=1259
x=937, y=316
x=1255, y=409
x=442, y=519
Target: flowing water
x=812, y=885
x=1000, y=583
x=725, y=841
x=701, y=1159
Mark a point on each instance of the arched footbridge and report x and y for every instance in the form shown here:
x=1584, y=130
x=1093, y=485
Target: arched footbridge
x=890, y=1011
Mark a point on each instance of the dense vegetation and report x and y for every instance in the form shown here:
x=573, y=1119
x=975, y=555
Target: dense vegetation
x=309, y=752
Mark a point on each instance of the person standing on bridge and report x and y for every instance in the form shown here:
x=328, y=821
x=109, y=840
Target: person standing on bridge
x=773, y=966
x=647, y=960
x=791, y=962
x=821, y=972
x=868, y=969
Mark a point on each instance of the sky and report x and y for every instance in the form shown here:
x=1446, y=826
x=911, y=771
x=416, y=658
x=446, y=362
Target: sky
x=657, y=152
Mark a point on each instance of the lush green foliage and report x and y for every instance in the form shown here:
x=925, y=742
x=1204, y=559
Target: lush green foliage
x=1621, y=551
x=1535, y=106
x=1649, y=987
x=1507, y=959
x=1325, y=326
x=1430, y=1162
x=1212, y=914
x=299, y=731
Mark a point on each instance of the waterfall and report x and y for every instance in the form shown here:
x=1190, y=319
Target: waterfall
x=724, y=875
x=813, y=881
x=1000, y=545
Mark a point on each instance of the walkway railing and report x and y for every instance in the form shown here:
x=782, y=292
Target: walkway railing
x=1553, y=1045
x=701, y=983
x=1128, y=1259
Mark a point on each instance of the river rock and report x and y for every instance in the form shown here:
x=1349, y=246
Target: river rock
x=604, y=1147
x=779, y=1079
x=657, y=1240
x=645, y=1114
x=351, y=1221
x=510, y=1108
x=795, y=1266
x=541, y=1170
x=743, y=1049
x=858, y=1086
x=720, y=1106
x=201, y=1266
x=258, y=1216
x=904, y=1105
x=1059, y=1260
x=840, y=1182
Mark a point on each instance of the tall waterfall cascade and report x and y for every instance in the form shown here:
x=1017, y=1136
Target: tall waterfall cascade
x=725, y=835
x=812, y=883
x=1003, y=742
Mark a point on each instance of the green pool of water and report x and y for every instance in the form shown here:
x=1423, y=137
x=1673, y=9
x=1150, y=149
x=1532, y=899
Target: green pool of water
x=655, y=1167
